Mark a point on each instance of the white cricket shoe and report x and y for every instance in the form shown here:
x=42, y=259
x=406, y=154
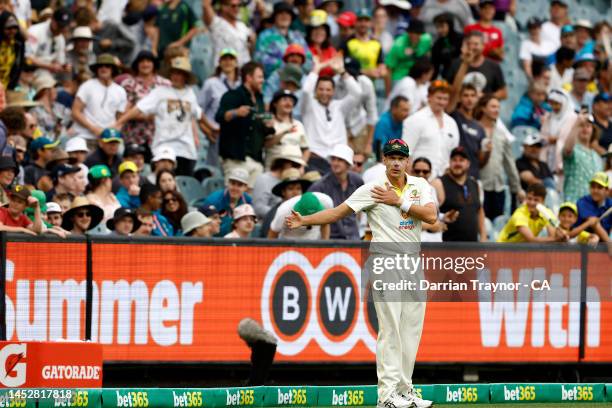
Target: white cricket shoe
x=394, y=401
x=415, y=401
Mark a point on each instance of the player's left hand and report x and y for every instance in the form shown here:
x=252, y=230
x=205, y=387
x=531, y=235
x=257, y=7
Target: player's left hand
x=386, y=195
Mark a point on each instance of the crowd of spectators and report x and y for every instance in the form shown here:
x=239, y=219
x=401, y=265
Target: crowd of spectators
x=104, y=122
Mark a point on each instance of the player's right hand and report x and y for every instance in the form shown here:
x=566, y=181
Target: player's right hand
x=294, y=220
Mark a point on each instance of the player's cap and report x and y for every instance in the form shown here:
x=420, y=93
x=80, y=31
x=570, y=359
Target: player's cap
x=396, y=146
x=601, y=178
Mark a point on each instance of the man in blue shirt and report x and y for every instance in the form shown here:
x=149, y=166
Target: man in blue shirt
x=592, y=206
x=390, y=123
x=233, y=195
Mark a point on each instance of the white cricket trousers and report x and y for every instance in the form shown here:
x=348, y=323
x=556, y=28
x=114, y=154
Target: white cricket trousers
x=399, y=332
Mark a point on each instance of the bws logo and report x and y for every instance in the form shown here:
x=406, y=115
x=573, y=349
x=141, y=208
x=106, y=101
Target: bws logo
x=301, y=303
x=12, y=365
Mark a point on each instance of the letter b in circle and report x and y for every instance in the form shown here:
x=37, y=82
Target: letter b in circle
x=290, y=302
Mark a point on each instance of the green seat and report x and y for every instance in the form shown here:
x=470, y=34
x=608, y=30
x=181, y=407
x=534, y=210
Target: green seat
x=190, y=188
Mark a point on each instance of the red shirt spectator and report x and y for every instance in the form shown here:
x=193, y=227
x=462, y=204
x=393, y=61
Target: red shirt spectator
x=7, y=220
x=494, y=41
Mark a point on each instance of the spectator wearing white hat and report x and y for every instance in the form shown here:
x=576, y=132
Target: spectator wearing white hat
x=80, y=57
x=232, y=196
x=339, y=184
x=54, y=214
x=243, y=222
x=77, y=150
x=164, y=158
x=531, y=169
x=289, y=156
x=197, y=225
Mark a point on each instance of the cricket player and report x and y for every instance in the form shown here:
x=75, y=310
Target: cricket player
x=395, y=205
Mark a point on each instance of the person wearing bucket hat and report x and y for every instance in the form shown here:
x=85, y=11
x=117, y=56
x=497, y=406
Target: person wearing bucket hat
x=396, y=204
x=306, y=203
x=288, y=156
x=98, y=101
x=225, y=78
x=140, y=83
x=175, y=108
x=197, y=225
x=47, y=44
x=233, y=195
x=12, y=216
x=292, y=184
x=80, y=56
x=594, y=205
x=124, y=222
x=100, y=190
x=568, y=215
x=243, y=222
x=19, y=99
x=287, y=129
x=82, y=216
x=11, y=40
x=339, y=184
x=53, y=117
x=272, y=42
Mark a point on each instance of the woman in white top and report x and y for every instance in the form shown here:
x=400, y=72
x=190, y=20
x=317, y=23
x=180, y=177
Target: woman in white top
x=176, y=112
x=556, y=127
x=421, y=167
x=225, y=79
x=289, y=131
x=534, y=46
x=379, y=29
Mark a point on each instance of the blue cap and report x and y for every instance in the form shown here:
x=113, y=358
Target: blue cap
x=43, y=143
x=111, y=135
x=567, y=29
x=602, y=97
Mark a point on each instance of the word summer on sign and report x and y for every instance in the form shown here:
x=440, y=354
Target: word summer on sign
x=474, y=284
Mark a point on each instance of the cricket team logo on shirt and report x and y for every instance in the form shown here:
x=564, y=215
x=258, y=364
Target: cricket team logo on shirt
x=407, y=223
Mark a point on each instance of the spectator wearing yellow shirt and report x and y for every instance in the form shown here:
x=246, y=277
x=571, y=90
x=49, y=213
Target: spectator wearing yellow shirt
x=365, y=48
x=568, y=215
x=527, y=221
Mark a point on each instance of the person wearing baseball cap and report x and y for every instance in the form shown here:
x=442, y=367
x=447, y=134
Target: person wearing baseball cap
x=41, y=150
x=396, y=204
x=593, y=206
x=346, y=29
x=77, y=150
x=460, y=200
x=48, y=42
x=211, y=212
x=12, y=216
x=64, y=180
x=415, y=43
x=8, y=172
x=107, y=152
x=530, y=168
x=225, y=77
x=233, y=195
x=307, y=203
x=128, y=193
x=568, y=215
x=139, y=154
x=364, y=48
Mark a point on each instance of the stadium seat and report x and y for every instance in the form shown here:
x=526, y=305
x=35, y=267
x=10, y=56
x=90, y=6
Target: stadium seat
x=211, y=184
x=520, y=132
x=489, y=228
x=190, y=188
x=498, y=225
x=553, y=200
x=100, y=229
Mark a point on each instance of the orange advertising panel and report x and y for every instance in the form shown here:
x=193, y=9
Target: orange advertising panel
x=183, y=302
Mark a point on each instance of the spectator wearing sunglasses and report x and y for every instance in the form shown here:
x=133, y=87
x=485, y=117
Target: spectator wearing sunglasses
x=431, y=132
x=421, y=167
x=459, y=197
x=82, y=216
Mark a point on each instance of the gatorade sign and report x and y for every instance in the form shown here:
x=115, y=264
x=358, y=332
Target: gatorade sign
x=50, y=365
